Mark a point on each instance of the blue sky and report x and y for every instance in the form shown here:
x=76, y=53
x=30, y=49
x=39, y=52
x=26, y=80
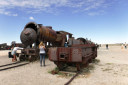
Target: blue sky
x=102, y=21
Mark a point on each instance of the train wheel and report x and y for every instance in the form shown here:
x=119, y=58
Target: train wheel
x=22, y=58
x=59, y=65
x=31, y=58
x=94, y=56
x=78, y=66
x=87, y=63
x=90, y=60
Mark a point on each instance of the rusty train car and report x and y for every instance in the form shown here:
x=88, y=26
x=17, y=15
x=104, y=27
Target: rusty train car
x=62, y=47
x=79, y=53
x=3, y=46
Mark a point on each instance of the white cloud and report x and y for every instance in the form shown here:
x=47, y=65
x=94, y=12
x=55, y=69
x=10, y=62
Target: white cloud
x=15, y=15
x=101, y=12
x=50, y=6
x=95, y=5
x=31, y=18
x=93, y=13
x=2, y=11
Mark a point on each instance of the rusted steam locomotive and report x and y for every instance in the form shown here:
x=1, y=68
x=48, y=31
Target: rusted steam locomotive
x=62, y=47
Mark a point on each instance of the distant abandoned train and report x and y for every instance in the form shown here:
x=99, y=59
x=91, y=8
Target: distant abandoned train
x=62, y=47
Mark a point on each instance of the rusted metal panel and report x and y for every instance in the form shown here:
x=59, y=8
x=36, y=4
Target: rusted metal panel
x=64, y=54
x=61, y=38
x=84, y=45
x=30, y=51
x=47, y=34
x=76, y=42
x=76, y=55
x=70, y=54
x=86, y=51
x=53, y=54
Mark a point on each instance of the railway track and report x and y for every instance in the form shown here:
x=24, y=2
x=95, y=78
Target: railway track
x=72, y=78
x=12, y=65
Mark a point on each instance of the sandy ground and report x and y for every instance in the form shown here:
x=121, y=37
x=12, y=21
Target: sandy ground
x=111, y=70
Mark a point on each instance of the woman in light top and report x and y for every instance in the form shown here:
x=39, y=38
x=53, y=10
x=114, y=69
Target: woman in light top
x=14, y=49
x=42, y=53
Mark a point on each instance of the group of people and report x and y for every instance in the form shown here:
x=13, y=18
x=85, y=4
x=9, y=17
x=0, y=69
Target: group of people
x=122, y=46
x=41, y=53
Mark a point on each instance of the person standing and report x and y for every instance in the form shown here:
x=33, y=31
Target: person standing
x=14, y=49
x=122, y=46
x=125, y=45
x=42, y=53
x=65, y=45
x=106, y=46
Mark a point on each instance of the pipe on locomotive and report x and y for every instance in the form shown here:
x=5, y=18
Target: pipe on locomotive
x=33, y=33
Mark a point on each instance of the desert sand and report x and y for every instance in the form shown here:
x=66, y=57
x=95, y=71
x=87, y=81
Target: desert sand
x=111, y=70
